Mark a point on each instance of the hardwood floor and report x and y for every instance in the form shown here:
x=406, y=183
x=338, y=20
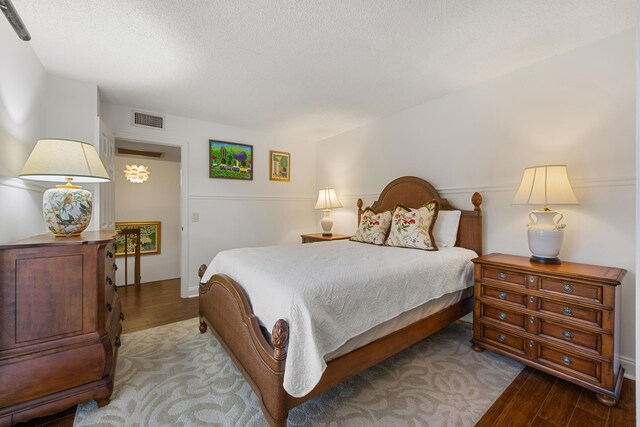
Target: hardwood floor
x=533, y=398
x=538, y=399
x=154, y=304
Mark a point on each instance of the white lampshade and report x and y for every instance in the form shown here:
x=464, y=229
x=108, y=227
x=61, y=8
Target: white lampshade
x=58, y=159
x=327, y=199
x=545, y=185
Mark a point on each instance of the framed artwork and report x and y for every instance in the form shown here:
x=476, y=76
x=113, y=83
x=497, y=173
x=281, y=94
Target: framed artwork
x=149, y=238
x=280, y=166
x=230, y=160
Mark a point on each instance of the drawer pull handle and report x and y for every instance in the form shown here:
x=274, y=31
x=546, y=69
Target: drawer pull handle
x=502, y=276
x=532, y=299
x=567, y=335
x=502, y=295
x=109, y=254
x=114, y=246
x=502, y=338
x=566, y=360
x=532, y=319
x=117, y=342
x=568, y=311
x=502, y=315
x=115, y=287
x=530, y=343
x=115, y=267
x=121, y=316
x=109, y=281
x=109, y=307
x=532, y=279
x=567, y=288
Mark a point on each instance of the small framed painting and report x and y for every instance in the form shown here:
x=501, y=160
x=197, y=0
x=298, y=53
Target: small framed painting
x=149, y=238
x=230, y=160
x=280, y=166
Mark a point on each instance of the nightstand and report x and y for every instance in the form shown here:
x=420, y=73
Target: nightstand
x=318, y=237
x=561, y=319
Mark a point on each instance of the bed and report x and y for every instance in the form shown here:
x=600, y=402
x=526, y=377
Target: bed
x=262, y=357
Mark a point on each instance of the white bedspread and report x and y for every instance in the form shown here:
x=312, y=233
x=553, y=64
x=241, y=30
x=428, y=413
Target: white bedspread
x=330, y=292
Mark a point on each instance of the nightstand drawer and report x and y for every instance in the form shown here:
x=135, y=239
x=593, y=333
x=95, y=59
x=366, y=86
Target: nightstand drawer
x=570, y=364
x=502, y=295
x=570, y=290
x=504, y=316
x=512, y=342
x=570, y=311
x=504, y=276
x=570, y=335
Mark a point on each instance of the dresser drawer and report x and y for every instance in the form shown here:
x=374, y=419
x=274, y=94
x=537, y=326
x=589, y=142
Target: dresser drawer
x=511, y=342
x=570, y=364
x=504, y=316
x=504, y=276
x=502, y=295
x=574, y=336
x=570, y=290
x=588, y=315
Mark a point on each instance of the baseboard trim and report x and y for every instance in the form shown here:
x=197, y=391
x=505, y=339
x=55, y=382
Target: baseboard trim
x=629, y=366
x=192, y=291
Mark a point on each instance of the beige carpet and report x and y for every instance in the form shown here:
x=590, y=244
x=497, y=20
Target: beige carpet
x=174, y=376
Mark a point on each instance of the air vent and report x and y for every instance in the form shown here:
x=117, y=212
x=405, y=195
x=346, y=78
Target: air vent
x=148, y=120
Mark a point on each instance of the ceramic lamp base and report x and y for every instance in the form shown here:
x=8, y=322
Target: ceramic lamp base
x=67, y=210
x=327, y=223
x=545, y=235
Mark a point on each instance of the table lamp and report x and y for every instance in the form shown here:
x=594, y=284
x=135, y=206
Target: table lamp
x=545, y=185
x=66, y=208
x=327, y=200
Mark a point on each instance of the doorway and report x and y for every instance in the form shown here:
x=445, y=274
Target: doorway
x=147, y=180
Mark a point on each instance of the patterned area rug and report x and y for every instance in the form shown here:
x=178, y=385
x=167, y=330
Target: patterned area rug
x=173, y=375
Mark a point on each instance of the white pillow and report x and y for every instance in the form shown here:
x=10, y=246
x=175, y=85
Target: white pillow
x=446, y=228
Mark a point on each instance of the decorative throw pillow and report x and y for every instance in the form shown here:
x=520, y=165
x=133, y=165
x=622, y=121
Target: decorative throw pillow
x=446, y=229
x=373, y=228
x=413, y=228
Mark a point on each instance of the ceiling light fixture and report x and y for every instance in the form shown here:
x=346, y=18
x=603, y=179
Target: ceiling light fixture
x=14, y=19
x=136, y=173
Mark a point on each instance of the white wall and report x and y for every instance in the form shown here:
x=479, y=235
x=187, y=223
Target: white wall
x=232, y=213
x=158, y=199
x=576, y=109
x=72, y=107
x=22, y=122
x=33, y=105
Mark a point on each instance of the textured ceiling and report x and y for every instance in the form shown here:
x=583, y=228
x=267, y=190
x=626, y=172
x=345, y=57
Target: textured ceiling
x=305, y=69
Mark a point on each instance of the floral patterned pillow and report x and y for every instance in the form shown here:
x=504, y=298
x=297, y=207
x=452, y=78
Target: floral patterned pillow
x=373, y=228
x=413, y=228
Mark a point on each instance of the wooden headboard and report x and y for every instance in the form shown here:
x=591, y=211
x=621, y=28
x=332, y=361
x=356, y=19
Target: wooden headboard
x=414, y=192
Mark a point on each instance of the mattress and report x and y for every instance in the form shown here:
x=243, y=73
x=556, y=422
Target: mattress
x=332, y=292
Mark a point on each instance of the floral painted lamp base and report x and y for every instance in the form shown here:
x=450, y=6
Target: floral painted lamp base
x=67, y=210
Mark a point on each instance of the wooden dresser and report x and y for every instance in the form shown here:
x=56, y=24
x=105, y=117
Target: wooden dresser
x=59, y=324
x=562, y=319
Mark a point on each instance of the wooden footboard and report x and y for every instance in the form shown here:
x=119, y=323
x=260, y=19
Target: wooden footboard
x=225, y=308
